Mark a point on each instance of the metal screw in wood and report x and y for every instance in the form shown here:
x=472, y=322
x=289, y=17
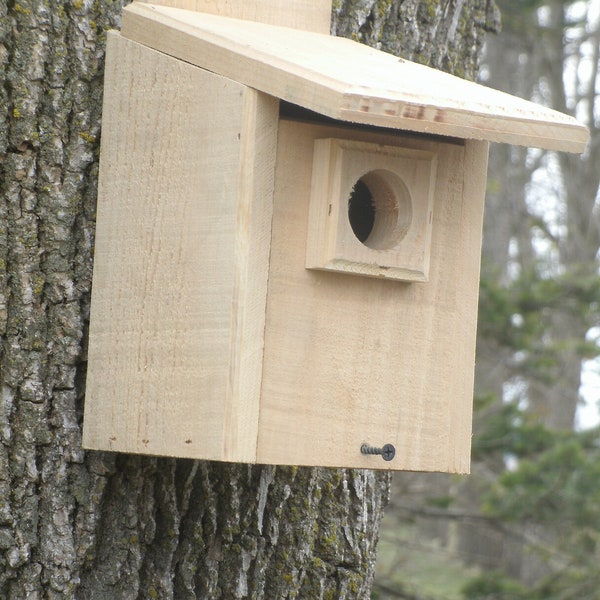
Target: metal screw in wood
x=387, y=452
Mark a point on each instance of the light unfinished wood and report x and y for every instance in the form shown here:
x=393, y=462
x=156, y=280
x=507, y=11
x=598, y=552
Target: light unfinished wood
x=400, y=183
x=352, y=360
x=209, y=337
x=309, y=15
x=181, y=260
x=349, y=81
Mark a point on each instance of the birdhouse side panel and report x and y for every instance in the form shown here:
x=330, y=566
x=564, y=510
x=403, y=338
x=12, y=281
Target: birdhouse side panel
x=169, y=268
x=353, y=360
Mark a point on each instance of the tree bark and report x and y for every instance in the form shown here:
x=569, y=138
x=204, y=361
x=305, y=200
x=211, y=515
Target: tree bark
x=90, y=525
x=444, y=34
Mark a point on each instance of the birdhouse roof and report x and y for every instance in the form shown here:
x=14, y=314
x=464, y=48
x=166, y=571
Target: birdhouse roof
x=349, y=81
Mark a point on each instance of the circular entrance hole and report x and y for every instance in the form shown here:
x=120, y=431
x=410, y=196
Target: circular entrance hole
x=380, y=209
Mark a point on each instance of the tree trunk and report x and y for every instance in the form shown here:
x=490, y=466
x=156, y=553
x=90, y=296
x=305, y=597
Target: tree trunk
x=89, y=525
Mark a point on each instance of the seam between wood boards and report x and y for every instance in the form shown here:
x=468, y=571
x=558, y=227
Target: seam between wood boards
x=266, y=305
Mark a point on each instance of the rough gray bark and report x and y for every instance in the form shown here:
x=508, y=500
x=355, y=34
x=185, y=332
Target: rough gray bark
x=105, y=526
x=445, y=34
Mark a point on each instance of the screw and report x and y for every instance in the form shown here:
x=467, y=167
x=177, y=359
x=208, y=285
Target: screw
x=387, y=452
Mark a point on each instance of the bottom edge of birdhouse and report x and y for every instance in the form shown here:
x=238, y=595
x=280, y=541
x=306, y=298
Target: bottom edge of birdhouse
x=363, y=461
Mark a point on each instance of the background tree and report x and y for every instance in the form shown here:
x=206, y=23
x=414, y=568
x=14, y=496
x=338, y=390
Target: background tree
x=547, y=250
x=99, y=525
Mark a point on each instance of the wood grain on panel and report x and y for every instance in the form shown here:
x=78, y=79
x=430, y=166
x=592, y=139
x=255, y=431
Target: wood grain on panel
x=352, y=360
x=251, y=257
x=170, y=281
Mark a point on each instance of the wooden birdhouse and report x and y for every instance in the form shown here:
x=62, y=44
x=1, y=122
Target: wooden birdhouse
x=288, y=242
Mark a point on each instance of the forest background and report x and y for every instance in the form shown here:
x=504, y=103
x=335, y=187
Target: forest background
x=526, y=523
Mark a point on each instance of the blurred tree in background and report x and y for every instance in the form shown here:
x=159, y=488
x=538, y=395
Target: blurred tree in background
x=526, y=523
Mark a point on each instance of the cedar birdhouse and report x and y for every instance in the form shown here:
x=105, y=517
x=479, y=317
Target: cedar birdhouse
x=288, y=242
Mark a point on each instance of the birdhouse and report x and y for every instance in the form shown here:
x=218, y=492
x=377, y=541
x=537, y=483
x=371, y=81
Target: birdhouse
x=288, y=243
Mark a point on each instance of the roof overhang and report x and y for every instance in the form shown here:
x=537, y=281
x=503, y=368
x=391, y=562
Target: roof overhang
x=349, y=81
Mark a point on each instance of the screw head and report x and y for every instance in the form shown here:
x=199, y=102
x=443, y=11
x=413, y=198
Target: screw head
x=388, y=452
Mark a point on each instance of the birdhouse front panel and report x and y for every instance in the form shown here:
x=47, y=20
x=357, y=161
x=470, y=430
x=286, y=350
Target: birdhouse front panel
x=352, y=360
